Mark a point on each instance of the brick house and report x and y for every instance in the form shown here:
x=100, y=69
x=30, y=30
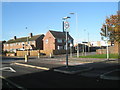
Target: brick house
x=56, y=40
x=24, y=43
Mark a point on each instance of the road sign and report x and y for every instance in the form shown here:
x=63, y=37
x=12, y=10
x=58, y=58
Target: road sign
x=66, y=24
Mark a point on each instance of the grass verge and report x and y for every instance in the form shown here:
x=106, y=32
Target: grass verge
x=100, y=56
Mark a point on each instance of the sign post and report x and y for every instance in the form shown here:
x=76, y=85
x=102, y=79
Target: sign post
x=66, y=29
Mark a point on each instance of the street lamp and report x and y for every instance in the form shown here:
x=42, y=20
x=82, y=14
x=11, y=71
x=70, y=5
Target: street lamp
x=77, y=31
x=88, y=43
x=66, y=27
x=84, y=43
x=106, y=30
x=71, y=45
x=26, y=56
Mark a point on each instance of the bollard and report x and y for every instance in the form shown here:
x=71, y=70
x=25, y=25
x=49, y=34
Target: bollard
x=50, y=55
x=26, y=58
x=38, y=55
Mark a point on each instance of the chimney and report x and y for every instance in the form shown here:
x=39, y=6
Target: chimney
x=31, y=35
x=63, y=26
x=15, y=37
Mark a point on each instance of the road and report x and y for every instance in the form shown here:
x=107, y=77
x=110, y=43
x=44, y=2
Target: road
x=34, y=78
x=27, y=77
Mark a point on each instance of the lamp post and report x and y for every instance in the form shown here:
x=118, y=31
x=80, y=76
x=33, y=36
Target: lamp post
x=84, y=43
x=26, y=56
x=71, y=49
x=88, y=43
x=66, y=30
x=107, y=42
x=76, y=20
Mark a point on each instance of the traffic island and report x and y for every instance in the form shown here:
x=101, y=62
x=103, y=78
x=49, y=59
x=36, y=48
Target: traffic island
x=72, y=69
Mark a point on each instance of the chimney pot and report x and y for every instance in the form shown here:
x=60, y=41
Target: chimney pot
x=15, y=37
x=31, y=35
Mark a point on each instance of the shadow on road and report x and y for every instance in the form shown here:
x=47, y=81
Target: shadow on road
x=52, y=79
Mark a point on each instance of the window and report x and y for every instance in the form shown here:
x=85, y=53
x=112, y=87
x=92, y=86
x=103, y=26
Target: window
x=64, y=40
x=69, y=41
x=19, y=43
x=46, y=41
x=23, y=43
x=11, y=44
x=59, y=40
x=33, y=42
x=60, y=47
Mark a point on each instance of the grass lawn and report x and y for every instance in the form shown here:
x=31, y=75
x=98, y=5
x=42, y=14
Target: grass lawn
x=100, y=56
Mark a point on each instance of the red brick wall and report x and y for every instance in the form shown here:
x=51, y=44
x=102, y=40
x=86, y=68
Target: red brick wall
x=112, y=50
x=117, y=48
x=10, y=54
x=50, y=44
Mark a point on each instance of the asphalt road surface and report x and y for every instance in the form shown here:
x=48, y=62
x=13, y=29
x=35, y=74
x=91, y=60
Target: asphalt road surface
x=26, y=77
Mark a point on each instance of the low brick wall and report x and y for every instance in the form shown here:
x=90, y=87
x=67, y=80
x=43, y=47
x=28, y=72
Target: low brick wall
x=31, y=53
x=47, y=52
x=112, y=50
x=10, y=54
x=101, y=51
x=34, y=52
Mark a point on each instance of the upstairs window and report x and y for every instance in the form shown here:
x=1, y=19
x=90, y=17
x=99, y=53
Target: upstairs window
x=59, y=40
x=11, y=44
x=46, y=41
x=69, y=41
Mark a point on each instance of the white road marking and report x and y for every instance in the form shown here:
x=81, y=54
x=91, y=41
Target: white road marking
x=7, y=69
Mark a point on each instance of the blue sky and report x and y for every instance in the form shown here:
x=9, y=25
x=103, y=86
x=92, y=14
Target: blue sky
x=40, y=17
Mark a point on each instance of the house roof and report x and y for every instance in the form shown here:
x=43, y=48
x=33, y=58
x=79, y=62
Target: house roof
x=60, y=35
x=24, y=39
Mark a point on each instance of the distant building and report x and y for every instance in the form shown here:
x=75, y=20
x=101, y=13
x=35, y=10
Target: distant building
x=1, y=46
x=91, y=46
x=82, y=47
x=24, y=43
x=56, y=40
x=99, y=43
